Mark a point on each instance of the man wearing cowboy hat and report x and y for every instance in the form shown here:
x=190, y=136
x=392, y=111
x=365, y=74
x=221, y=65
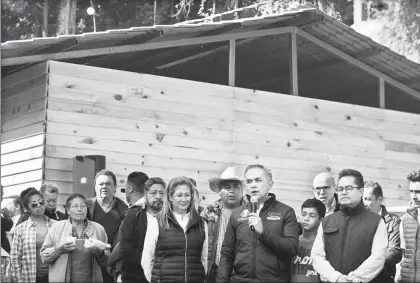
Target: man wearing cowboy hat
x=229, y=187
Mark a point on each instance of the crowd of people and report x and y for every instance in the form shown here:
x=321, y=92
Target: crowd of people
x=343, y=234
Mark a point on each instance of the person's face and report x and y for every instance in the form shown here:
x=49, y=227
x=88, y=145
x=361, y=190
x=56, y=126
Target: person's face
x=77, y=209
x=181, y=199
x=36, y=205
x=50, y=200
x=310, y=219
x=104, y=187
x=9, y=205
x=371, y=202
x=257, y=183
x=415, y=193
x=323, y=187
x=154, y=197
x=231, y=193
x=354, y=195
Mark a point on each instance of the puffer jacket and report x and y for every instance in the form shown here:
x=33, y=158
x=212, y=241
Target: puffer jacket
x=411, y=228
x=260, y=258
x=212, y=214
x=394, y=253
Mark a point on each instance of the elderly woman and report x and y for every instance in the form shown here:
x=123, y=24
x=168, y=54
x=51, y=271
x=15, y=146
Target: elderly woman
x=76, y=248
x=26, y=263
x=175, y=248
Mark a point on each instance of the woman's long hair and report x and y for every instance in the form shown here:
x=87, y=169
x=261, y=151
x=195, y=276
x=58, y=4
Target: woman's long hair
x=167, y=204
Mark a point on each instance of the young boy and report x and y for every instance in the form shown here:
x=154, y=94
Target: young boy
x=313, y=210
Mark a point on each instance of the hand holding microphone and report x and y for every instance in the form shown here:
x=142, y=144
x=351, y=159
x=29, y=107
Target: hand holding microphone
x=253, y=216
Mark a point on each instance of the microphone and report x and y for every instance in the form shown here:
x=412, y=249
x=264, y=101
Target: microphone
x=254, y=207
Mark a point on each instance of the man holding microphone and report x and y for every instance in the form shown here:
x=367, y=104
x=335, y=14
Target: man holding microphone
x=262, y=236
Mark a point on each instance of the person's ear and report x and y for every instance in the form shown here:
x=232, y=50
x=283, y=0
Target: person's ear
x=380, y=199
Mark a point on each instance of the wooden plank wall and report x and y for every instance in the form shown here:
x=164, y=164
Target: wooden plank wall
x=23, y=104
x=168, y=127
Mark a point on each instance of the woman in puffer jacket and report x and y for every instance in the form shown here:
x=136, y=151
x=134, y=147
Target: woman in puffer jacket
x=176, y=244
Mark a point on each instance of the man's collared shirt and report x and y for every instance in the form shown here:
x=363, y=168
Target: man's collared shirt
x=330, y=210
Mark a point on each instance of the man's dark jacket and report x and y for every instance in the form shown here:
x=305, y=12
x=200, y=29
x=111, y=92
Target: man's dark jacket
x=6, y=225
x=394, y=252
x=259, y=258
x=131, y=235
x=348, y=237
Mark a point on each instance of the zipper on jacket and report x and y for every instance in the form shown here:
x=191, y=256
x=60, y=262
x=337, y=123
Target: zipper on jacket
x=254, y=256
x=186, y=246
x=343, y=244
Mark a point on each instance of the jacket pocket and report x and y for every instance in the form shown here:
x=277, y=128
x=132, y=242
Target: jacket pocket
x=330, y=230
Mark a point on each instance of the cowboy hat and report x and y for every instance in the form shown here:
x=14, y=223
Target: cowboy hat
x=228, y=175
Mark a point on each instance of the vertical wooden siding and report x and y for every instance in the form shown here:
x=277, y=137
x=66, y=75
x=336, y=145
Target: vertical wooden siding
x=23, y=128
x=168, y=127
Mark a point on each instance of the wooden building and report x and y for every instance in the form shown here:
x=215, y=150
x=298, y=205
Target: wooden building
x=299, y=92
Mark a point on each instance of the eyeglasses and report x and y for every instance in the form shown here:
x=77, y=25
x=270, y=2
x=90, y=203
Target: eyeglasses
x=348, y=189
x=81, y=206
x=415, y=192
x=325, y=189
x=40, y=202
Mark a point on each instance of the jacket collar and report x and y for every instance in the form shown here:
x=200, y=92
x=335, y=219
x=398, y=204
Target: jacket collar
x=271, y=199
x=385, y=214
x=353, y=211
x=50, y=222
x=194, y=218
x=413, y=212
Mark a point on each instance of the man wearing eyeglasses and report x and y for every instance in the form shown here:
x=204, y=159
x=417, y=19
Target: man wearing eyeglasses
x=324, y=190
x=409, y=229
x=351, y=244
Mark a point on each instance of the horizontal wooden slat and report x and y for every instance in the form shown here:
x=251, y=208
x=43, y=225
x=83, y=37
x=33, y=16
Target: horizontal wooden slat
x=139, y=114
x=137, y=147
x=26, y=120
x=23, y=155
x=23, y=132
x=92, y=90
x=26, y=87
x=131, y=78
x=123, y=96
x=137, y=137
x=22, y=178
x=135, y=125
x=21, y=144
x=24, y=74
x=23, y=109
x=35, y=92
x=21, y=167
x=17, y=189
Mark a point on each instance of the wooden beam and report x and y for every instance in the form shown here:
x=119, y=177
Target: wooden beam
x=293, y=64
x=358, y=64
x=142, y=47
x=381, y=93
x=232, y=61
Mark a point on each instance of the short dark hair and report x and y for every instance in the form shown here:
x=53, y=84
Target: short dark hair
x=26, y=194
x=154, y=180
x=352, y=173
x=414, y=176
x=317, y=204
x=137, y=180
x=262, y=167
x=72, y=197
x=377, y=189
x=106, y=173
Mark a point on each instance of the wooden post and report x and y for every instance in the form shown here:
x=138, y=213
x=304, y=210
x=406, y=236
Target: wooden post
x=45, y=24
x=381, y=93
x=293, y=64
x=232, y=55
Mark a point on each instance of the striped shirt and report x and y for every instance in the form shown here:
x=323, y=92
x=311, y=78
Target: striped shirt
x=23, y=254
